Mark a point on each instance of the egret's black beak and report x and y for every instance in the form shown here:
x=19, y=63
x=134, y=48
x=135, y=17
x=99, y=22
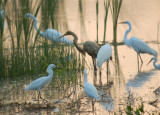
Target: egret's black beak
x=111, y=58
x=57, y=67
x=149, y=61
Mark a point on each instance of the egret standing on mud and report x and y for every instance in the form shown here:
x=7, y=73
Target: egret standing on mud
x=154, y=63
x=138, y=45
x=40, y=83
x=104, y=54
x=90, y=89
x=90, y=47
x=50, y=34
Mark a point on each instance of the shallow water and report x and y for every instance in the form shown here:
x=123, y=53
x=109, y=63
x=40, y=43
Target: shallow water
x=124, y=79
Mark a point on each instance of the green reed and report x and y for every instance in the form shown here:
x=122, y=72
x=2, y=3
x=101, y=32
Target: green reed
x=29, y=53
x=106, y=6
x=115, y=10
x=97, y=12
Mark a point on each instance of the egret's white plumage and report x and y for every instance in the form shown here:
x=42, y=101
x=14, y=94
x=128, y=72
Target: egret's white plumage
x=40, y=83
x=89, y=88
x=50, y=34
x=137, y=44
x=157, y=66
x=104, y=54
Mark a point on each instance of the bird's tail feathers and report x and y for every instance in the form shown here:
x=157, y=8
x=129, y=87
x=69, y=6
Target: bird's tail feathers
x=26, y=88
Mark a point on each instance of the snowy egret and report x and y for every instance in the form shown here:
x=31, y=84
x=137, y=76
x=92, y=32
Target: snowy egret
x=154, y=63
x=104, y=54
x=138, y=45
x=90, y=47
x=50, y=34
x=90, y=89
x=40, y=83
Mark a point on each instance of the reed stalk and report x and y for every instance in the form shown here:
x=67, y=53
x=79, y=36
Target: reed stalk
x=115, y=10
x=97, y=12
x=106, y=6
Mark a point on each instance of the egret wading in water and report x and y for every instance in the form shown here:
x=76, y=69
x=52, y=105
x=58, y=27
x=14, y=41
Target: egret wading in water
x=138, y=45
x=50, y=34
x=154, y=63
x=104, y=54
x=90, y=89
x=40, y=83
x=90, y=47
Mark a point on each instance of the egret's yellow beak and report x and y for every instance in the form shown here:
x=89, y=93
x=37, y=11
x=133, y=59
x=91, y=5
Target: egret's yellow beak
x=122, y=22
x=62, y=36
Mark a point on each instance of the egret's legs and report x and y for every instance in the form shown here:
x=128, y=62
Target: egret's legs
x=139, y=56
x=141, y=62
x=138, y=62
x=93, y=105
x=100, y=77
x=94, y=64
x=107, y=69
x=39, y=96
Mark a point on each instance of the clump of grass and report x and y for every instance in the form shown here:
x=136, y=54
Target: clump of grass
x=29, y=53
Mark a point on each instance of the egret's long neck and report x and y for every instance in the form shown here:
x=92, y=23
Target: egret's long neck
x=50, y=71
x=35, y=25
x=125, y=35
x=154, y=63
x=76, y=44
x=86, y=80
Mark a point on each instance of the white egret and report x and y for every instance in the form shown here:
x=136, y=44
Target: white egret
x=154, y=63
x=138, y=45
x=40, y=83
x=50, y=34
x=90, y=47
x=104, y=54
x=90, y=89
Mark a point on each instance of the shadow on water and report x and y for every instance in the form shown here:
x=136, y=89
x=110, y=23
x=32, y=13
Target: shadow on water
x=139, y=80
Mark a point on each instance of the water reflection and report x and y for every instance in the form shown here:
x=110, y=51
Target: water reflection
x=116, y=58
x=139, y=80
x=106, y=100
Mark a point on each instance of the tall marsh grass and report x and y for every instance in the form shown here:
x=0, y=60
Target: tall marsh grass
x=28, y=52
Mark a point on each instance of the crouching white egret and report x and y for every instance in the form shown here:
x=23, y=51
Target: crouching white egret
x=90, y=89
x=154, y=63
x=104, y=54
x=40, y=83
x=90, y=47
x=138, y=45
x=50, y=34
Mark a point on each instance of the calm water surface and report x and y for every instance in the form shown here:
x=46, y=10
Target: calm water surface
x=144, y=16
